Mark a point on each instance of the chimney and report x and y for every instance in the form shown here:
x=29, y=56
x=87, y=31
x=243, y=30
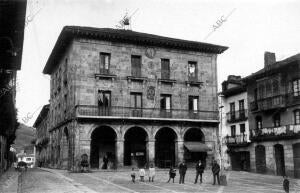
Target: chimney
x=270, y=59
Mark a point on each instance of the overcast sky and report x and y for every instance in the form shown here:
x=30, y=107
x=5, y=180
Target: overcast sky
x=250, y=29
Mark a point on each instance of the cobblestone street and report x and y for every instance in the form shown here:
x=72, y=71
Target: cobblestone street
x=60, y=181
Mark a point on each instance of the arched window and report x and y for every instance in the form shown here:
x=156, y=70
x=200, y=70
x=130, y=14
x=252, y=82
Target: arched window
x=297, y=117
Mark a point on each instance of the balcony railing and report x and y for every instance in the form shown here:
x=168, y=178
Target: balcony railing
x=285, y=131
x=116, y=111
x=236, y=116
x=237, y=139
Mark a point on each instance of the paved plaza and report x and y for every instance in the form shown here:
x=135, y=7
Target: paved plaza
x=61, y=181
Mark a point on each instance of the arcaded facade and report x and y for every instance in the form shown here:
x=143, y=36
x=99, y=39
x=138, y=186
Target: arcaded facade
x=127, y=98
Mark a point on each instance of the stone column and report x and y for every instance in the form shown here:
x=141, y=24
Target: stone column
x=151, y=151
x=179, y=151
x=119, y=152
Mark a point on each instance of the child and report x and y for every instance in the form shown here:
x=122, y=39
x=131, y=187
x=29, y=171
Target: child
x=151, y=173
x=133, y=175
x=172, y=174
x=286, y=184
x=142, y=174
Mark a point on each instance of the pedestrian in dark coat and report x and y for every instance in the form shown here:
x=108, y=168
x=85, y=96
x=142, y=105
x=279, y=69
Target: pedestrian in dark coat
x=182, y=171
x=199, y=171
x=172, y=174
x=286, y=184
x=216, y=170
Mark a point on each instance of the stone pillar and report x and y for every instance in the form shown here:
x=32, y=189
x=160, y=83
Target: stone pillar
x=151, y=151
x=119, y=153
x=179, y=151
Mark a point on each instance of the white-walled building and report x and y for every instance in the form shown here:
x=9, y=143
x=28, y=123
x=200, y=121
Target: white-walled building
x=234, y=125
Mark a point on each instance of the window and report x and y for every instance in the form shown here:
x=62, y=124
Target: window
x=136, y=104
x=165, y=69
x=166, y=105
x=233, y=130
x=28, y=159
x=232, y=111
x=276, y=120
x=296, y=87
x=261, y=91
x=275, y=86
x=268, y=88
x=242, y=108
x=297, y=116
x=104, y=102
x=258, y=120
x=104, y=63
x=242, y=128
x=192, y=71
x=193, y=103
x=136, y=64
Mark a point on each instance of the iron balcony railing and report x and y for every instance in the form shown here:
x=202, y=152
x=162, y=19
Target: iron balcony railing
x=237, y=139
x=284, y=131
x=118, y=111
x=235, y=116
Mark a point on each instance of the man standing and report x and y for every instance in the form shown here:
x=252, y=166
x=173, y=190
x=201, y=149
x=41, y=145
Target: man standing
x=182, y=171
x=216, y=170
x=199, y=171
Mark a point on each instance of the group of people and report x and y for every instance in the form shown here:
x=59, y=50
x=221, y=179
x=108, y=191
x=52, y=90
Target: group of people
x=200, y=166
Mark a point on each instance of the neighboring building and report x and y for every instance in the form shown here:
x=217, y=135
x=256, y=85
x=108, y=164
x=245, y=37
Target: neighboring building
x=11, y=46
x=42, y=139
x=133, y=97
x=274, y=116
x=234, y=123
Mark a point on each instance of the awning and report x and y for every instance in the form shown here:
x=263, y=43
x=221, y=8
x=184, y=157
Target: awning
x=196, y=147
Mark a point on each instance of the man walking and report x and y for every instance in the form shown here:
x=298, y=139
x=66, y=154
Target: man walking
x=199, y=171
x=216, y=170
x=182, y=171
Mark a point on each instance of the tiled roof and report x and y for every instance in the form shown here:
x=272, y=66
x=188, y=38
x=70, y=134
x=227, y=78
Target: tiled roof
x=124, y=36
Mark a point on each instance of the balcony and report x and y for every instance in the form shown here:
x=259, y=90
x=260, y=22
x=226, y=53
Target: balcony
x=276, y=133
x=268, y=103
x=237, y=140
x=237, y=116
x=116, y=112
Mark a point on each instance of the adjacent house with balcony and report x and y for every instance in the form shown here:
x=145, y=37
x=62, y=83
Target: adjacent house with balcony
x=274, y=116
x=121, y=97
x=234, y=124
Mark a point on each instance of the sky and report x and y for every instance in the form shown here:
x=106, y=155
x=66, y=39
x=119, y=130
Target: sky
x=248, y=28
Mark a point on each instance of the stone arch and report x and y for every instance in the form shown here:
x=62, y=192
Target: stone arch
x=135, y=146
x=193, y=139
x=92, y=129
x=125, y=129
x=165, y=147
x=159, y=128
x=103, y=147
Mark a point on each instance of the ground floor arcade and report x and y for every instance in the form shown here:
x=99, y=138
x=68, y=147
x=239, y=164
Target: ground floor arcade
x=280, y=157
x=118, y=144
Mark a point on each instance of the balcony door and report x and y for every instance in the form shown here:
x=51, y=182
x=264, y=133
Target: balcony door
x=136, y=104
x=104, y=103
x=165, y=69
x=241, y=109
x=232, y=111
x=165, y=106
x=104, y=63
x=193, y=106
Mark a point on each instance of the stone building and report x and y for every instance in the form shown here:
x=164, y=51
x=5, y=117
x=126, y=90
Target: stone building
x=234, y=123
x=11, y=46
x=133, y=98
x=42, y=137
x=274, y=117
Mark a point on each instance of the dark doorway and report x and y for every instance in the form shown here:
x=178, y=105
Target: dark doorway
x=103, y=145
x=194, y=135
x=66, y=148
x=279, y=159
x=296, y=153
x=135, y=147
x=165, y=147
x=240, y=161
x=260, y=159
